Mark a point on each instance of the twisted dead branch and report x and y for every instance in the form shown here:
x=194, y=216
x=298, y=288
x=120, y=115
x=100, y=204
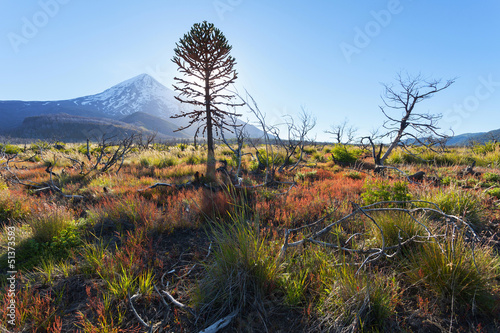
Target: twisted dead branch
x=375, y=253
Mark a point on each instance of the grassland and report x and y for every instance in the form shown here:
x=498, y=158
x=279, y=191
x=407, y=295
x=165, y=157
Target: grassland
x=327, y=247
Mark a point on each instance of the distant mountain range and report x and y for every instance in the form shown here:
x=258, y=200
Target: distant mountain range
x=138, y=105
x=481, y=137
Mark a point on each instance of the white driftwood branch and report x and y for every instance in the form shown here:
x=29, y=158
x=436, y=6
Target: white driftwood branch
x=220, y=324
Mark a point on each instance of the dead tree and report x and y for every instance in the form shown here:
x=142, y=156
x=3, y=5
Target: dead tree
x=343, y=133
x=111, y=154
x=240, y=135
x=267, y=162
x=144, y=141
x=411, y=128
x=295, y=137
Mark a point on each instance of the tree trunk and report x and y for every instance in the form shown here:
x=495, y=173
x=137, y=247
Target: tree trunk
x=210, y=140
x=402, y=127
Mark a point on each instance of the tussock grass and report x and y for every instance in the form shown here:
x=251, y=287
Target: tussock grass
x=240, y=275
x=397, y=227
x=460, y=276
x=12, y=205
x=456, y=201
x=357, y=302
x=49, y=221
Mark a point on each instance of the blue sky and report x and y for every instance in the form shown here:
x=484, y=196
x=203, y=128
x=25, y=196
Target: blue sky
x=328, y=57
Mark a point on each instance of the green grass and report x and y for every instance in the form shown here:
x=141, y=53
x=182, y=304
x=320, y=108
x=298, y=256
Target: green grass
x=241, y=273
x=120, y=283
x=397, y=227
x=461, y=277
x=357, y=302
x=381, y=190
x=458, y=202
x=49, y=222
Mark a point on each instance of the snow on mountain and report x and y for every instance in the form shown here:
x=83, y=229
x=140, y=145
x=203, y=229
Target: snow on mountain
x=141, y=94
x=138, y=94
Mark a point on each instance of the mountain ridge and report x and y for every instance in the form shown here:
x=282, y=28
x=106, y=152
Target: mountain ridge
x=140, y=99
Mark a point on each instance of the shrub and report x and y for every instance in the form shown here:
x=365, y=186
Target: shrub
x=345, y=154
x=491, y=177
x=275, y=158
x=446, y=180
x=61, y=245
x=82, y=149
x=10, y=149
x=12, y=206
x=494, y=192
x=382, y=190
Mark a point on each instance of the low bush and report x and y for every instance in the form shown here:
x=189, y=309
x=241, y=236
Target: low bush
x=345, y=154
x=491, y=177
x=382, y=190
x=494, y=192
x=10, y=149
x=12, y=206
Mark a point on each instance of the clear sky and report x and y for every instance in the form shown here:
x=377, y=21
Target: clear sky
x=326, y=56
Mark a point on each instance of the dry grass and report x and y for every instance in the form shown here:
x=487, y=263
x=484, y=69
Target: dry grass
x=134, y=240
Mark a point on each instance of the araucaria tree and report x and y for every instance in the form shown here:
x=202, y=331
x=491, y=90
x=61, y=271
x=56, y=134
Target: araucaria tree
x=203, y=57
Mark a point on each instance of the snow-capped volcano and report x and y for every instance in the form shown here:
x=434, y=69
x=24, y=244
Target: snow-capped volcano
x=138, y=94
x=141, y=101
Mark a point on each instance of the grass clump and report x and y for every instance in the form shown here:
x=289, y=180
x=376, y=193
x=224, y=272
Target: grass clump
x=241, y=274
x=461, y=277
x=397, y=227
x=458, y=202
x=303, y=273
x=357, y=302
x=49, y=222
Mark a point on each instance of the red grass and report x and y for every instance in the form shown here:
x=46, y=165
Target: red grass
x=32, y=309
x=306, y=203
